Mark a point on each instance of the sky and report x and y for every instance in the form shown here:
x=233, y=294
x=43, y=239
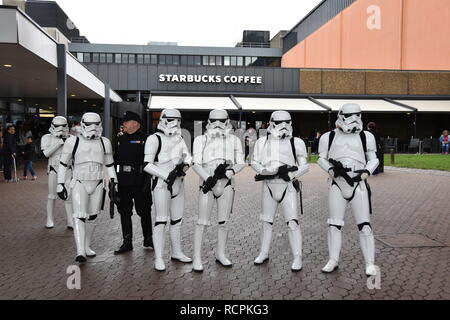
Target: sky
x=189, y=22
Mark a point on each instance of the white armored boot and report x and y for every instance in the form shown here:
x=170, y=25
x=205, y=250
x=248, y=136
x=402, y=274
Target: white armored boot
x=367, y=242
x=90, y=226
x=158, y=245
x=295, y=239
x=197, y=258
x=222, y=235
x=50, y=209
x=68, y=205
x=79, y=233
x=175, y=238
x=334, y=248
x=266, y=238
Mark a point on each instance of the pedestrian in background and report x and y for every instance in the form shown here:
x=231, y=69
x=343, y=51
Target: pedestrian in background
x=444, y=139
x=9, y=151
x=372, y=127
x=28, y=157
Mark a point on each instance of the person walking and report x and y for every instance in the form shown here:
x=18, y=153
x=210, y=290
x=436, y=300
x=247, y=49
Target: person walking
x=28, y=157
x=9, y=151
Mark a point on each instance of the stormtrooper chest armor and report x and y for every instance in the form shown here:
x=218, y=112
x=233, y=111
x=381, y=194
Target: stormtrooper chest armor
x=347, y=146
x=171, y=151
x=276, y=152
x=221, y=148
x=89, y=151
x=53, y=160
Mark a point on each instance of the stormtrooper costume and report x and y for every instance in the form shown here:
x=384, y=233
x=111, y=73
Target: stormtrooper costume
x=167, y=159
x=217, y=147
x=279, y=149
x=348, y=155
x=90, y=152
x=52, y=146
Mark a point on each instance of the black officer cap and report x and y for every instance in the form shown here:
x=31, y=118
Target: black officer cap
x=130, y=115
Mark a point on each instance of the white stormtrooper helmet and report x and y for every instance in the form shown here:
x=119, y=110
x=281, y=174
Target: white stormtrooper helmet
x=91, y=125
x=59, y=127
x=349, y=118
x=170, y=122
x=218, y=124
x=280, y=125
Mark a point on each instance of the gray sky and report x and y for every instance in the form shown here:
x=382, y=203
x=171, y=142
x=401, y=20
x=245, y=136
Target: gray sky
x=189, y=22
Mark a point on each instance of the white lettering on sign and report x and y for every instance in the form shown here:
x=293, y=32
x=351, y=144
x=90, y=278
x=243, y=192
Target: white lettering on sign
x=199, y=78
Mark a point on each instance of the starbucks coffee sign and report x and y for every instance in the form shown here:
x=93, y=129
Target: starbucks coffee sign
x=198, y=78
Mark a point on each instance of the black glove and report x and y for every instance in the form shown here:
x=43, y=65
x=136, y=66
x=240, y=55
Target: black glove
x=63, y=195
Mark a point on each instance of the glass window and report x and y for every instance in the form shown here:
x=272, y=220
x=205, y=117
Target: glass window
x=95, y=57
x=254, y=59
x=124, y=58
x=109, y=58
x=218, y=60
x=176, y=59
x=184, y=60
x=169, y=59
x=132, y=58
x=102, y=57
x=233, y=61
x=226, y=61
x=118, y=58
x=162, y=59
x=140, y=59
x=197, y=60
x=147, y=59
x=212, y=60
x=205, y=60
x=154, y=59
x=190, y=60
x=248, y=61
x=80, y=56
x=86, y=57
x=240, y=61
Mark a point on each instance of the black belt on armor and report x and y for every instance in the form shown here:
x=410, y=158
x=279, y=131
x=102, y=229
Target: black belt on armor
x=129, y=169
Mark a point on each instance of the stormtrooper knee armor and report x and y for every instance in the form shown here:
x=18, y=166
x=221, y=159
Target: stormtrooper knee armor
x=90, y=153
x=348, y=155
x=167, y=159
x=52, y=146
x=218, y=156
x=279, y=160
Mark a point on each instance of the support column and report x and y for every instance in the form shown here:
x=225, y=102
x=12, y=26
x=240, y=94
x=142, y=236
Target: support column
x=107, y=113
x=61, y=74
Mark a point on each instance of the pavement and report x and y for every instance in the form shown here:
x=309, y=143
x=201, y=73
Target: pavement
x=410, y=221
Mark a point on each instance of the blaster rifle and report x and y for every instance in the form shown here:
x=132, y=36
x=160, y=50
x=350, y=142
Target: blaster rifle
x=178, y=171
x=341, y=171
x=281, y=173
x=219, y=173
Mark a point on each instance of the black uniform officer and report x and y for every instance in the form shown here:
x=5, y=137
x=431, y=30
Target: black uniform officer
x=132, y=182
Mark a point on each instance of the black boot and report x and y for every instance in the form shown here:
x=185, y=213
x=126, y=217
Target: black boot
x=148, y=242
x=146, y=223
x=126, y=246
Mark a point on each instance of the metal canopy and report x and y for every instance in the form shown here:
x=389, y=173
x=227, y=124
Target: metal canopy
x=367, y=105
x=191, y=103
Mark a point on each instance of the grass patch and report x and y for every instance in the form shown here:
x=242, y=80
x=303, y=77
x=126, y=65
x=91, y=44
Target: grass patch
x=416, y=161
x=420, y=161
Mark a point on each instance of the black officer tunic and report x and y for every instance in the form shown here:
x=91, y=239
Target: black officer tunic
x=129, y=161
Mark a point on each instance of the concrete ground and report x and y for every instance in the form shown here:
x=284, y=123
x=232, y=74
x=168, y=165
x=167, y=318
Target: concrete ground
x=411, y=222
